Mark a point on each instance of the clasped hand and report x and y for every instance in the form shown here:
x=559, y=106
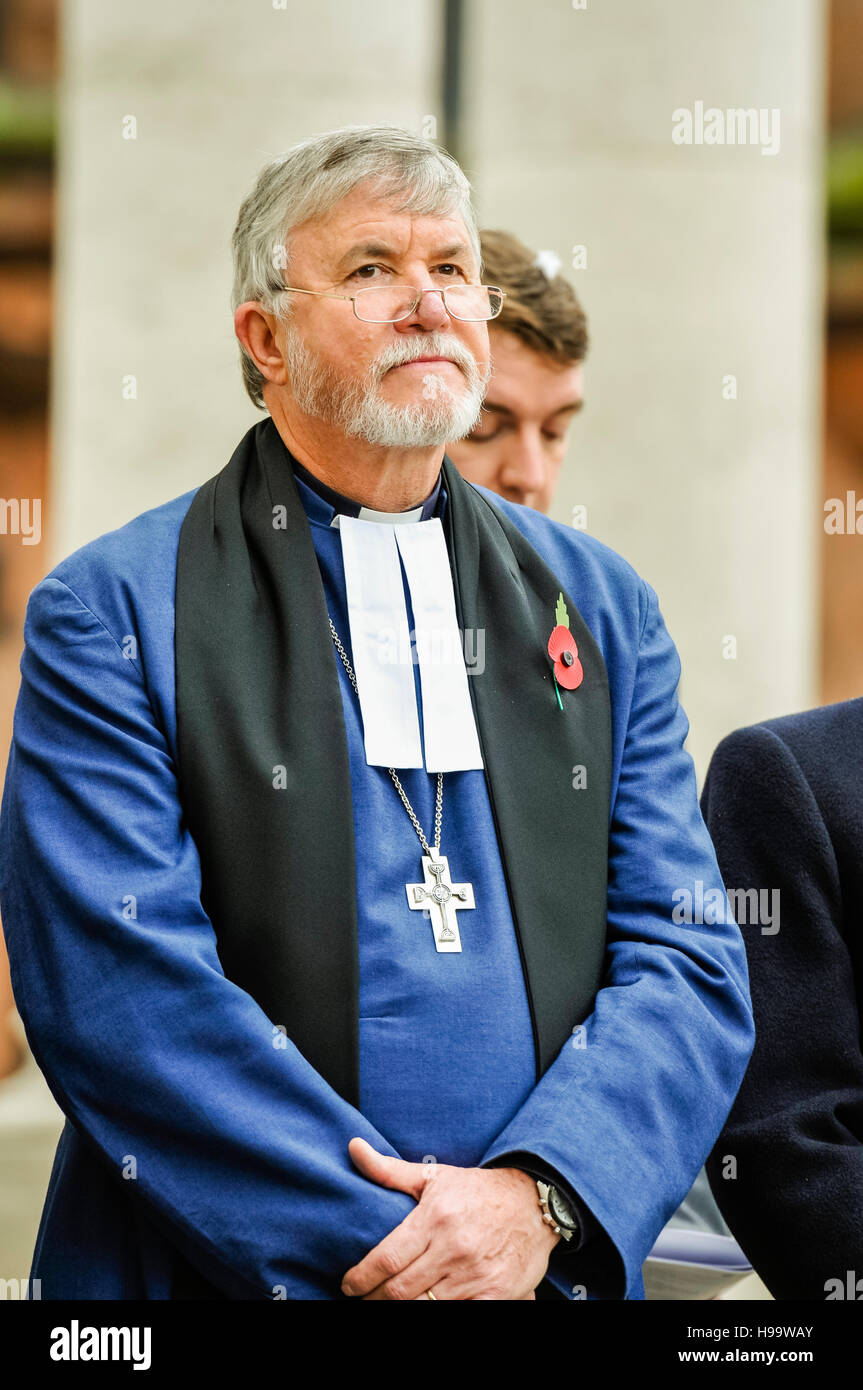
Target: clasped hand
x=476, y=1233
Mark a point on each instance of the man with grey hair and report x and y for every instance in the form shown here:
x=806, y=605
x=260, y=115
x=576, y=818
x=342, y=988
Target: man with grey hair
x=285, y=742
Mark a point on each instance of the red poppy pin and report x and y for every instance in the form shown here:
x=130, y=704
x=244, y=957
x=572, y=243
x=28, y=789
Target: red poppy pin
x=568, y=670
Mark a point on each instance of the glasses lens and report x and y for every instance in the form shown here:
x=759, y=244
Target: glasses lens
x=384, y=303
x=474, y=302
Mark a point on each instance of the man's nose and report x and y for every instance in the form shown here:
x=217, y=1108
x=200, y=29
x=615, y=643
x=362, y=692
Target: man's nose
x=523, y=467
x=429, y=314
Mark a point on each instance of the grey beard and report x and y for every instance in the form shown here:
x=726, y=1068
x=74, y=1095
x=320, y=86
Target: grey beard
x=359, y=410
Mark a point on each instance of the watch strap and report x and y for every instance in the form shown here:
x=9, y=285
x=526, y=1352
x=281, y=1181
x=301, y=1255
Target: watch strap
x=545, y=1189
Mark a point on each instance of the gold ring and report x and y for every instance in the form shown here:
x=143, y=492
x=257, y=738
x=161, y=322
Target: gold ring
x=431, y=1295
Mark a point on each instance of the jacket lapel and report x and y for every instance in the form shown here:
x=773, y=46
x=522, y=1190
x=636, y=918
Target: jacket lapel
x=263, y=754
x=551, y=818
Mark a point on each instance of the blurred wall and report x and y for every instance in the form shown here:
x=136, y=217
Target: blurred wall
x=842, y=570
x=29, y=1120
x=703, y=262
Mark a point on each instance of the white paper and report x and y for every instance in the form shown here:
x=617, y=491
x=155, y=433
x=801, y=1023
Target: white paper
x=690, y=1246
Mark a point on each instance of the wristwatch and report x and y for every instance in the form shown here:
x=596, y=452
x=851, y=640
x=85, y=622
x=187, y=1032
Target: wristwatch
x=557, y=1210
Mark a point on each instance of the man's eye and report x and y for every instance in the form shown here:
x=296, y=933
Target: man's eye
x=482, y=434
x=360, y=272
x=448, y=270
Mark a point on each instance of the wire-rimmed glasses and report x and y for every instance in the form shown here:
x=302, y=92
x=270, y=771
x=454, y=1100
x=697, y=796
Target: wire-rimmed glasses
x=390, y=303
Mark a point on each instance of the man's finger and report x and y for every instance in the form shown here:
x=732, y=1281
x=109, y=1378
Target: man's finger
x=414, y=1281
x=396, y=1252
x=397, y=1173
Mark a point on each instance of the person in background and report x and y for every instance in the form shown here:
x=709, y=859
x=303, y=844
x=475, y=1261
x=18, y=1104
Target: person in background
x=784, y=806
x=538, y=346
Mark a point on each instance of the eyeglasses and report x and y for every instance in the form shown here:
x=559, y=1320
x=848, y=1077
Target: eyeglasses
x=390, y=303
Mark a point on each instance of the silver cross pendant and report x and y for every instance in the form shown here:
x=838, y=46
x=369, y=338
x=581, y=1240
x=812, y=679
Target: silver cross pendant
x=442, y=899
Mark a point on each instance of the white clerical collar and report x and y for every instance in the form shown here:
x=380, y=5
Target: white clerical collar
x=374, y=550
x=388, y=518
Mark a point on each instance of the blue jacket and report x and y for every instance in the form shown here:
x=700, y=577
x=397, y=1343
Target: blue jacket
x=183, y=1142
x=784, y=803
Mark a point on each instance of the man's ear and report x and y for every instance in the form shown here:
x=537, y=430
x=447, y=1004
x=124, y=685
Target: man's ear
x=256, y=331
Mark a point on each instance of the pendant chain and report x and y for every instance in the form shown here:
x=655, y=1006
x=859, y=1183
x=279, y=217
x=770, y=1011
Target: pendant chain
x=391, y=770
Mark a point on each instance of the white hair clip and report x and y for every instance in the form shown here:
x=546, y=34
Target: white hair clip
x=549, y=263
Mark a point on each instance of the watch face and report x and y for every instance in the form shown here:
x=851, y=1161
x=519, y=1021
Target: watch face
x=560, y=1209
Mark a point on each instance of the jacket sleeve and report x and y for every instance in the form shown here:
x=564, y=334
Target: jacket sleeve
x=239, y=1146
x=631, y=1106
x=787, y=1171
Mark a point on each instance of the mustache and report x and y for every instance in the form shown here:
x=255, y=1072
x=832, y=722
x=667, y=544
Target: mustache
x=430, y=345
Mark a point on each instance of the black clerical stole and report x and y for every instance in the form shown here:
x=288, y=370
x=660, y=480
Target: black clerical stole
x=257, y=690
